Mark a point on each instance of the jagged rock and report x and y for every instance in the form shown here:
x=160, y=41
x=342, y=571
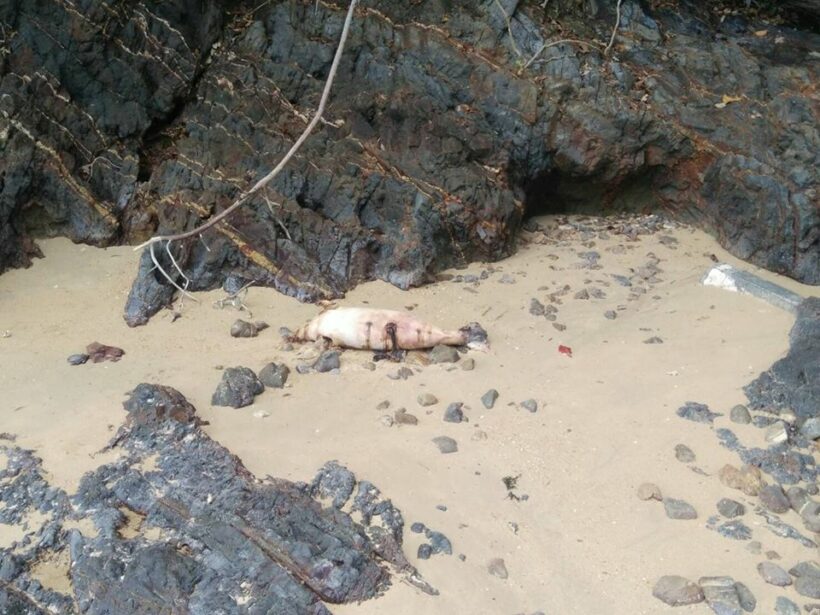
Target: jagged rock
x=677, y=591
x=327, y=361
x=393, y=186
x=243, y=328
x=274, y=376
x=238, y=387
x=225, y=533
x=443, y=354
x=721, y=595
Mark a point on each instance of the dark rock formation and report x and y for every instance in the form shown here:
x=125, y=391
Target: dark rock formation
x=444, y=130
x=194, y=531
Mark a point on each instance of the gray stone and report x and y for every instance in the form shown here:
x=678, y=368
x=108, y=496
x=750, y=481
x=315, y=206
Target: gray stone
x=747, y=599
x=530, y=405
x=536, y=307
x=403, y=417
x=242, y=328
x=439, y=542
x=684, y=454
x=274, y=376
x=698, y=413
x=418, y=527
x=610, y=315
x=327, y=361
x=445, y=444
x=808, y=585
x=773, y=498
x=425, y=551
x=798, y=498
x=454, y=413
x=383, y=405
x=488, y=399
x=805, y=569
x=811, y=428
x=740, y=415
x=653, y=340
x=427, y=399
x=784, y=606
x=468, y=364
x=730, y=508
x=497, y=568
x=679, y=509
x=238, y=388
x=721, y=595
x=77, y=359
x=443, y=354
x=677, y=591
x=774, y=574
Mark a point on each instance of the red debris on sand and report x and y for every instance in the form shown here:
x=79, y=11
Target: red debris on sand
x=565, y=350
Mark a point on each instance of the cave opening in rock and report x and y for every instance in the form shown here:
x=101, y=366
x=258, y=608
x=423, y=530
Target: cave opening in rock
x=554, y=192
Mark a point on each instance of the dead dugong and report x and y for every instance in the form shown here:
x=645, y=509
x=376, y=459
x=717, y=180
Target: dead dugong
x=374, y=329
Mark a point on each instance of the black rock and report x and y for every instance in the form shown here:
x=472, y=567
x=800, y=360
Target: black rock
x=730, y=508
x=425, y=551
x=530, y=405
x=238, y=388
x=274, y=376
x=417, y=527
x=774, y=499
x=439, y=542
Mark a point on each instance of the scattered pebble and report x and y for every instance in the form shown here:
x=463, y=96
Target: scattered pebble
x=77, y=359
x=445, y=444
x=774, y=574
x=684, y=454
x=441, y=507
x=418, y=527
x=453, y=413
x=559, y=326
x=530, y=405
x=425, y=551
x=100, y=352
x=730, y=508
x=403, y=373
x=468, y=364
x=774, y=499
x=649, y=491
x=740, y=415
x=653, y=340
x=327, y=361
x=721, y=594
x=536, y=307
x=242, y=328
x=497, y=568
x=402, y=417
x=679, y=509
x=439, y=542
x=383, y=405
x=443, y=354
x=696, y=412
x=238, y=387
x=489, y=398
x=427, y=399
x=610, y=315
x=747, y=479
x=274, y=376
x=784, y=606
x=677, y=591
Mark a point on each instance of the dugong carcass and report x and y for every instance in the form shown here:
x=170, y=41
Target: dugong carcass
x=374, y=329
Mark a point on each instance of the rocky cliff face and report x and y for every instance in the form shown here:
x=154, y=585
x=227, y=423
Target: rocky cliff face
x=449, y=122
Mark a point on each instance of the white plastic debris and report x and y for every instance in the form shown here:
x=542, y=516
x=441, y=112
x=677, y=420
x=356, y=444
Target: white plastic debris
x=729, y=278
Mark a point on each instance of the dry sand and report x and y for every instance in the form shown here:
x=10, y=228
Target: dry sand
x=606, y=420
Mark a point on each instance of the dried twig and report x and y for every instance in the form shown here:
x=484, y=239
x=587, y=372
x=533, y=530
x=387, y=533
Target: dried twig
x=168, y=277
x=245, y=197
x=615, y=29
x=554, y=43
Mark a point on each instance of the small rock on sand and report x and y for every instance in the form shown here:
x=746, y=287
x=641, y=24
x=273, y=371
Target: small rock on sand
x=774, y=574
x=653, y=340
x=679, y=509
x=747, y=479
x=237, y=389
x=698, y=413
x=468, y=364
x=327, y=361
x=740, y=415
x=784, y=606
x=536, y=307
x=383, y=405
x=425, y=551
x=747, y=599
x=443, y=354
x=402, y=417
x=427, y=399
x=530, y=405
x=274, y=376
x=808, y=585
x=497, y=568
x=454, y=413
x=610, y=315
x=243, y=328
x=730, y=508
x=684, y=454
x=677, y=591
x=77, y=359
x=649, y=491
x=721, y=595
x=488, y=399
x=774, y=499
x=445, y=444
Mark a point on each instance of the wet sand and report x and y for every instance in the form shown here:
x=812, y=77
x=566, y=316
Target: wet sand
x=582, y=542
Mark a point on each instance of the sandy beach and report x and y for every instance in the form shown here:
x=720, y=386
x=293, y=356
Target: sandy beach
x=580, y=542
